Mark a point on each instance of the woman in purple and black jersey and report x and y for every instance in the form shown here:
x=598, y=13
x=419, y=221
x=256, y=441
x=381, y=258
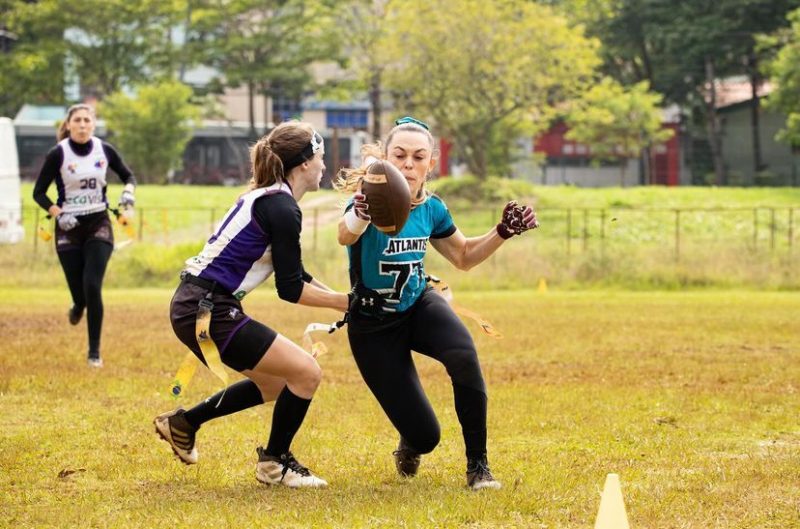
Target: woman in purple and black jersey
x=259, y=236
x=84, y=239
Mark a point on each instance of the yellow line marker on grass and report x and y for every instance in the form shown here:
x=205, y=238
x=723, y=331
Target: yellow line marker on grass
x=612, y=508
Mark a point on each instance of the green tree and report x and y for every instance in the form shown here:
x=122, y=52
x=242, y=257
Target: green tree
x=105, y=44
x=32, y=70
x=362, y=27
x=265, y=45
x=478, y=69
x=152, y=128
x=617, y=122
x=681, y=48
x=785, y=71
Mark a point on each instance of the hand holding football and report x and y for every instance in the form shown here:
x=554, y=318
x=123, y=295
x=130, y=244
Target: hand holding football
x=388, y=196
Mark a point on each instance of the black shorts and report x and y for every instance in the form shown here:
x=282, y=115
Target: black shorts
x=241, y=341
x=92, y=227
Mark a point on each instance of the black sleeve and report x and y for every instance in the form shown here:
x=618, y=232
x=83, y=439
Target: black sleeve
x=49, y=172
x=281, y=219
x=117, y=165
x=306, y=276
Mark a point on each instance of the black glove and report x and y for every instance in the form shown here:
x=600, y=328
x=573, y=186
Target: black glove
x=367, y=302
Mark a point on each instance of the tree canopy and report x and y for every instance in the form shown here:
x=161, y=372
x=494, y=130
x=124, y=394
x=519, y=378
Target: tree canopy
x=151, y=128
x=476, y=68
x=617, y=122
x=785, y=70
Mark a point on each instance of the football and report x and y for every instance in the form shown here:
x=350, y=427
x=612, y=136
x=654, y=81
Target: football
x=388, y=196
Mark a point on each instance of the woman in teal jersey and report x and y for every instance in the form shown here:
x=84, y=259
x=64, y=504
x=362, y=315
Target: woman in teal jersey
x=399, y=312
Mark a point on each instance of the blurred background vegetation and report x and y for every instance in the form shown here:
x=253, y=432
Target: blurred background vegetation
x=485, y=74
x=489, y=77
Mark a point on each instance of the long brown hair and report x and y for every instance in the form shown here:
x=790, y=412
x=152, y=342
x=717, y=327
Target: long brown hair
x=271, y=153
x=63, y=131
x=348, y=180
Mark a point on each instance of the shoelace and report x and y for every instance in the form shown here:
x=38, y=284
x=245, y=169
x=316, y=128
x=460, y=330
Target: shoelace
x=407, y=455
x=289, y=462
x=481, y=472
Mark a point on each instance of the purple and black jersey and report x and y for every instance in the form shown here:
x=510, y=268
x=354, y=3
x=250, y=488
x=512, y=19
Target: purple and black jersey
x=259, y=235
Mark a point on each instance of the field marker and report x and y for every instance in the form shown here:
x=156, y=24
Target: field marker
x=612, y=508
x=542, y=288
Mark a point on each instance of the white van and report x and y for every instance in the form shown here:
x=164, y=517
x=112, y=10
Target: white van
x=11, y=230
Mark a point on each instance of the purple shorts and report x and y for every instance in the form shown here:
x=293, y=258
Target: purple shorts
x=241, y=341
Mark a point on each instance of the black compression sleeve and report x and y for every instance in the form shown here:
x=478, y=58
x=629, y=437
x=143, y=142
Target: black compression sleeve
x=117, y=165
x=50, y=169
x=281, y=219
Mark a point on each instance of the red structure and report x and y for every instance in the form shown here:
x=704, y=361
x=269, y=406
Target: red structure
x=664, y=158
x=444, y=157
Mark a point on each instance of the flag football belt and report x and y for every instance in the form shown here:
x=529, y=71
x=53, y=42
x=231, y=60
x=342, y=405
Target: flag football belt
x=446, y=292
x=202, y=333
x=212, y=286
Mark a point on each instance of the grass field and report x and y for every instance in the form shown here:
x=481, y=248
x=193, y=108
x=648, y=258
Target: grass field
x=692, y=398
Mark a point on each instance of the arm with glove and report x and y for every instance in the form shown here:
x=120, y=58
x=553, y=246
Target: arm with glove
x=467, y=252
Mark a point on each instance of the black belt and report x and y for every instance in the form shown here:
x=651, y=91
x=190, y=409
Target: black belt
x=211, y=286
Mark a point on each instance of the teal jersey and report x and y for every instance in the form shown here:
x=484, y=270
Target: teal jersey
x=393, y=265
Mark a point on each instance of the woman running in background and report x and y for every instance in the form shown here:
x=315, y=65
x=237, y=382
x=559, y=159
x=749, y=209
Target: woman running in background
x=84, y=239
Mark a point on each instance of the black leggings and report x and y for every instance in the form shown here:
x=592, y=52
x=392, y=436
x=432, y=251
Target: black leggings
x=84, y=269
x=384, y=359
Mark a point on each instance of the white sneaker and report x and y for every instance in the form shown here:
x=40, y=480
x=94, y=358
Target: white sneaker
x=94, y=361
x=285, y=470
x=174, y=429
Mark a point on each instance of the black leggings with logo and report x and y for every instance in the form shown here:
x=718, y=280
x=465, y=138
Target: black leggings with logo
x=383, y=355
x=84, y=269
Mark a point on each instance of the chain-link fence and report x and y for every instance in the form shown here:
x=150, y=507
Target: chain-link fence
x=630, y=246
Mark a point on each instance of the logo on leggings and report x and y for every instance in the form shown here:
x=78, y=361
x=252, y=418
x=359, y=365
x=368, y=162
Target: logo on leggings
x=102, y=232
x=233, y=313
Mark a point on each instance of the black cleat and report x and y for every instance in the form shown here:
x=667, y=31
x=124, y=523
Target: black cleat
x=406, y=460
x=479, y=476
x=173, y=427
x=75, y=314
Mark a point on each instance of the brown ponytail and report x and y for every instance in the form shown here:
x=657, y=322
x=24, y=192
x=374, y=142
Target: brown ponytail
x=271, y=153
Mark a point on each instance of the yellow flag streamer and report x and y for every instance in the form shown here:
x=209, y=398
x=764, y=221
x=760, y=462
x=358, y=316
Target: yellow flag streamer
x=316, y=348
x=44, y=234
x=444, y=289
x=207, y=345
x=184, y=375
x=124, y=216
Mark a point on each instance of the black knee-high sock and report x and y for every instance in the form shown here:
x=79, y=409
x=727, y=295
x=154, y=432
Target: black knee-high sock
x=471, y=407
x=290, y=410
x=236, y=397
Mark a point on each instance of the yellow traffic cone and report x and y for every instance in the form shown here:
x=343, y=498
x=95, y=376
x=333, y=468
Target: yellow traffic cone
x=542, y=285
x=612, y=508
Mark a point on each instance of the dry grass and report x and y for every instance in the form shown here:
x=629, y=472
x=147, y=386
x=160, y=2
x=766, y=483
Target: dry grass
x=692, y=398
